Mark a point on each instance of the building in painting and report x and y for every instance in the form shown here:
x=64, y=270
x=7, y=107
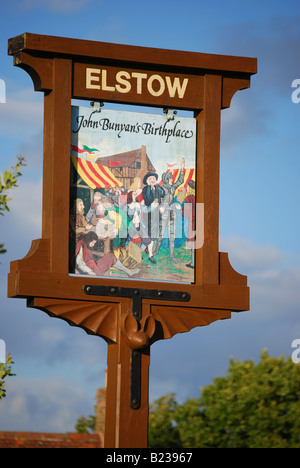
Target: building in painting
x=127, y=166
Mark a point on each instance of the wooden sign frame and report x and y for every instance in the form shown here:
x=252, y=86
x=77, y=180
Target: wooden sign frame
x=64, y=69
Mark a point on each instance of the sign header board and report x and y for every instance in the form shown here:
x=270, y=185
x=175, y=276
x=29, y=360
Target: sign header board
x=137, y=86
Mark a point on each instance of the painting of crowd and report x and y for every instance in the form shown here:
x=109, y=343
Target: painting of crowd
x=125, y=229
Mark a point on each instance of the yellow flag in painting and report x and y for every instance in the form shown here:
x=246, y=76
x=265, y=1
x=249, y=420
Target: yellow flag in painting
x=95, y=175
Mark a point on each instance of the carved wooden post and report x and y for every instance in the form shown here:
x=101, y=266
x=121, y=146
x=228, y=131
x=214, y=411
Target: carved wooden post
x=126, y=425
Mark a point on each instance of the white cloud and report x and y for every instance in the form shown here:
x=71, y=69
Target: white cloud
x=274, y=282
x=42, y=404
x=246, y=255
x=25, y=217
x=22, y=114
x=277, y=292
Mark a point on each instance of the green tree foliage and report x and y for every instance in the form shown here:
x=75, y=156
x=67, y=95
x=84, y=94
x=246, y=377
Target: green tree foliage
x=5, y=371
x=9, y=180
x=85, y=425
x=163, y=431
x=253, y=406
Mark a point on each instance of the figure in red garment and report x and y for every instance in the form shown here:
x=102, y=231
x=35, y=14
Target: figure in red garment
x=85, y=258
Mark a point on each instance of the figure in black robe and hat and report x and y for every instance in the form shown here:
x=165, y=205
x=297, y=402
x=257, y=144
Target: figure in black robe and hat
x=153, y=194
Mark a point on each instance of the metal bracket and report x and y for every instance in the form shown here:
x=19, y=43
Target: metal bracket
x=97, y=106
x=170, y=113
x=136, y=295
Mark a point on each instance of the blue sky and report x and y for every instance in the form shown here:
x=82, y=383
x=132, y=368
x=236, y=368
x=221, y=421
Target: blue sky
x=58, y=367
